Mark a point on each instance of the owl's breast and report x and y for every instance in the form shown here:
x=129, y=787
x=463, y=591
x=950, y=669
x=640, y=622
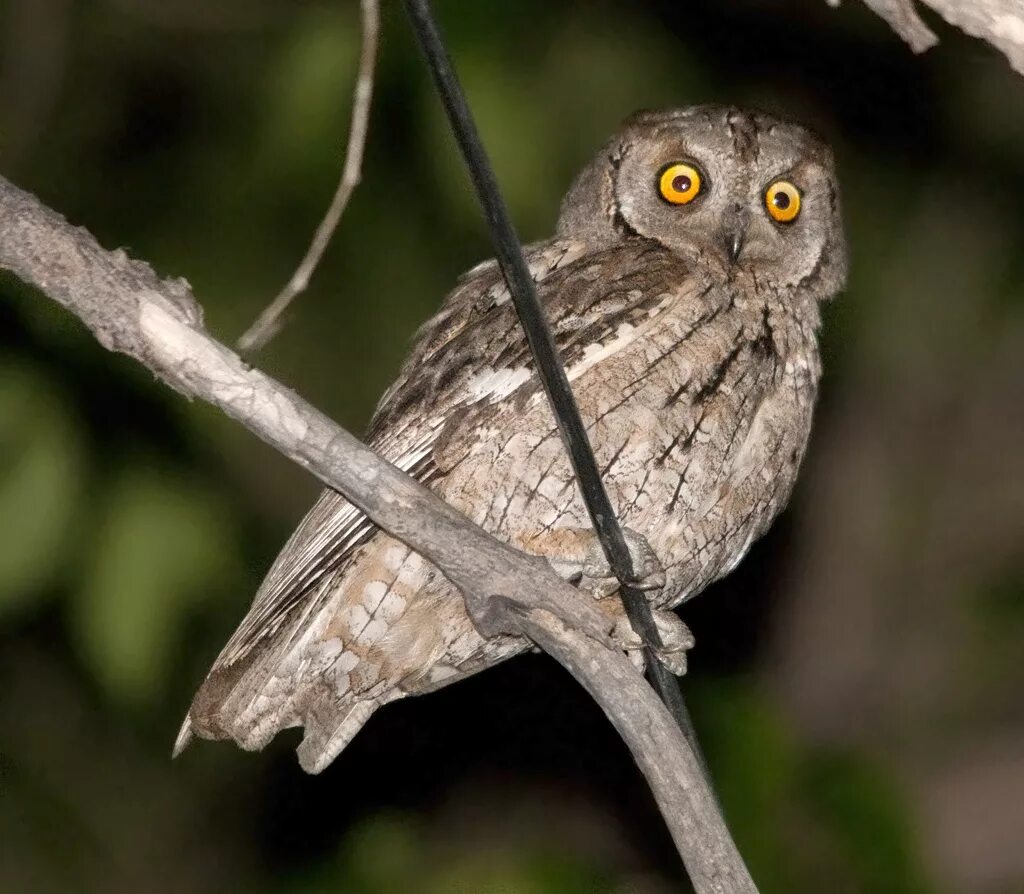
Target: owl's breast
x=696, y=426
x=699, y=430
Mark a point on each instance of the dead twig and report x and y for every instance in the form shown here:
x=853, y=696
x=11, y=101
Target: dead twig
x=268, y=323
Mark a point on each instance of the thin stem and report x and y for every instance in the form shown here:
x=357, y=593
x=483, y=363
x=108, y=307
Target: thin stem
x=268, y=323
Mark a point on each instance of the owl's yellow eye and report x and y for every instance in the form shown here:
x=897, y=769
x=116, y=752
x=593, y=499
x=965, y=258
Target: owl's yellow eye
x=782, y=199
x=680, y=183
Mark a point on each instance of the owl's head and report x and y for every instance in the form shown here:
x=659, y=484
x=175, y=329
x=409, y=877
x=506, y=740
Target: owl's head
x=737, y=190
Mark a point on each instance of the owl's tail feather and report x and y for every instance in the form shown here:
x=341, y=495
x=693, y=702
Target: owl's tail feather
x=184, y=737
x=252, y=700
x=329, y=729
x=240, y=702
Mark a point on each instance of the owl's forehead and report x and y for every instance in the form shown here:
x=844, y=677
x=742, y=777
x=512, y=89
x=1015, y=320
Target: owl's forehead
x=725, y=134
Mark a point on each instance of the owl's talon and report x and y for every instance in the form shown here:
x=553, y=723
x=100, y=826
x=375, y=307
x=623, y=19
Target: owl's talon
x=676, y=641
x=648, y=572
x=583, y=564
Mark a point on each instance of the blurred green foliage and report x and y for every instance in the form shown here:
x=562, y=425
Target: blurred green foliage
x=389, y=854
x=160, y=546
x=41, y=488
x=207, y=139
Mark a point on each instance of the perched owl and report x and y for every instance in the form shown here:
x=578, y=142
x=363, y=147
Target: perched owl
x=684, y=287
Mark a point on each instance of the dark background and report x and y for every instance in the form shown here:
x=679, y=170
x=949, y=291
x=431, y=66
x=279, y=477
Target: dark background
x=857, y=681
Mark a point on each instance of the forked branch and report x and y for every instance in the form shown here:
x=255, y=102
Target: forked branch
x=158, y=323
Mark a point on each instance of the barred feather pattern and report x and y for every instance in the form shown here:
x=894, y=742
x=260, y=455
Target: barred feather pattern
x=697, y=377
x=688, y=389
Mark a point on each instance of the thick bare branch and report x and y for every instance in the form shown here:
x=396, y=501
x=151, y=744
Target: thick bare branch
x=158, y=323
x=268, y=323
x=999, y=22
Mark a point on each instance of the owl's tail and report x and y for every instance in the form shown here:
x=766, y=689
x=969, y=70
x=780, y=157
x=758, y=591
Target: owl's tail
x=293, y=679
x=330, y=719
x=327, y=735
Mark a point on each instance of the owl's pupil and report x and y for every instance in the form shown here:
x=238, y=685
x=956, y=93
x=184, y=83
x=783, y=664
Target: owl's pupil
x=781, y=201
x=681, y=183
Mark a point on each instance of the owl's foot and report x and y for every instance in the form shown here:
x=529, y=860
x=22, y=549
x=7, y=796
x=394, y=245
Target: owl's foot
x=676, y=640
x=576, y=555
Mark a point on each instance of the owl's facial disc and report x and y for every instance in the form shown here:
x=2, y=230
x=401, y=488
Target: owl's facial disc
x=682, y=183
x=730, y=189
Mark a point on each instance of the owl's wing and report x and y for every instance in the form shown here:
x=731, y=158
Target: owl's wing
x=470, y=356
x=471, y=353
x=324, y=539
x=404, y=429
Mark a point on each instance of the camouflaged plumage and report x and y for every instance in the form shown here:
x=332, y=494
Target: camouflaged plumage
x=696, y=371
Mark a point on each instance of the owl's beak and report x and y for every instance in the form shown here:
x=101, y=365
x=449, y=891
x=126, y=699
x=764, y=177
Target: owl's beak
x=734, y=244
x=734, y=231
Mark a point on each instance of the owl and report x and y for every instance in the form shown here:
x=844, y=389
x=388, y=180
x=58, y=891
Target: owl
x=684, y=286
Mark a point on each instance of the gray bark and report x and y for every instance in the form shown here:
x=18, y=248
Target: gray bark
x=158, y=323
x=999, y=22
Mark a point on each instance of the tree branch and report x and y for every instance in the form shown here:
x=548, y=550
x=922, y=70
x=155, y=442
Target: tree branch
x=999, y=22
x=158, y=323
x=267, y=324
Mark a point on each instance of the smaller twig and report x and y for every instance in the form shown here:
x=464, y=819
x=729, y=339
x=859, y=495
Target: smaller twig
x=268, y=323
x=904, y=20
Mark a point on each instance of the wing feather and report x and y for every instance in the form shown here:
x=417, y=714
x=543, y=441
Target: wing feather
x=471, y=353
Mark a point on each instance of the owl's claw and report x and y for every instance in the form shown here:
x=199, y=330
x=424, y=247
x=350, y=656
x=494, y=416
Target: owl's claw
x=676, y=640
x=585, y=565
x=580, y=560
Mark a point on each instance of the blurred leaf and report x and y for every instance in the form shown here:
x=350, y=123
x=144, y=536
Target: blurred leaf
x=515, y=872
x=803, y=814
x=309, y=93
x=999, y=607
x=398, y=853
x=40, y=484
x=515, y=133
x=161, y=543
x=867, y=819
x=385, y=854
x=754, y=764
x=994, y=626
